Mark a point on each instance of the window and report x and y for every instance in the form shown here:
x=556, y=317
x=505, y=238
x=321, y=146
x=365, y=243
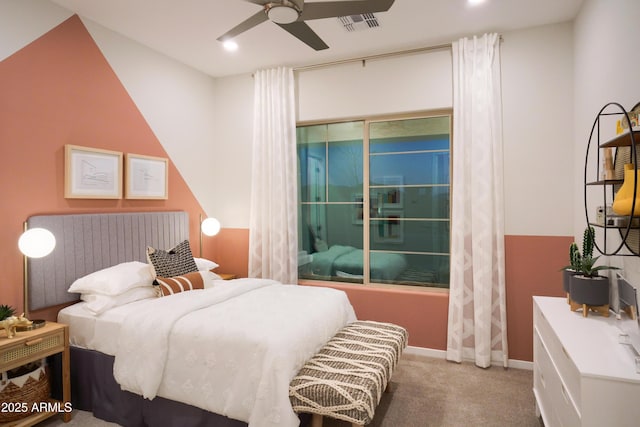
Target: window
x=374, y=201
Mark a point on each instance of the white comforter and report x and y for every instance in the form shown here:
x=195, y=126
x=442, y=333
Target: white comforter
x=232, y=349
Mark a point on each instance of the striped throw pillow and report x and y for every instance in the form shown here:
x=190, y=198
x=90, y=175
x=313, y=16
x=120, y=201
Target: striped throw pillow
x=177, y=284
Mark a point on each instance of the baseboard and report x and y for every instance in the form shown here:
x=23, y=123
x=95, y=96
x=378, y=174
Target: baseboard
x=441, y=354
x=422, y=351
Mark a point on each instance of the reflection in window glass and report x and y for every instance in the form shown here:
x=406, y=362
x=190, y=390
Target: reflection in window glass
x=401, y=208
x=345, y=170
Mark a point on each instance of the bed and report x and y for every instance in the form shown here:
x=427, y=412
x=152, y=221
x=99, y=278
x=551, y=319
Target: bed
x=219, y=355
x=347, y=262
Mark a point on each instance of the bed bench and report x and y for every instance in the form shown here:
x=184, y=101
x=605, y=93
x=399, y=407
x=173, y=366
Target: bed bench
x=346, y=378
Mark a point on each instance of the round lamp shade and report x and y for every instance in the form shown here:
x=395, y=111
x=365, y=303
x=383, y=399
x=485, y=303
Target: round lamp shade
x=37, y=242
x=210, y=226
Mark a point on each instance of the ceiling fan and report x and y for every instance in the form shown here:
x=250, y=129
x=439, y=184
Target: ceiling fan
x=291, y=15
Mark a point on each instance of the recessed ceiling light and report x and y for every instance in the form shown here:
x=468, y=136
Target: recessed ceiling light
x=230, y=45
x=475, y=2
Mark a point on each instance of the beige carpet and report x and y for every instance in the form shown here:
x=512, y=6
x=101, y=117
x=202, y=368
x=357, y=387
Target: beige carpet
x=432, y=392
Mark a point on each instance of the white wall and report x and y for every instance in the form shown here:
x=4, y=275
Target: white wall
x=606, y=35
x=537, y=93
x=384, y=86
x=23, y=21
x=233, y=145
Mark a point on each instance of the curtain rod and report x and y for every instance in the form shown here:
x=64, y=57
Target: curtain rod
x=363, y=59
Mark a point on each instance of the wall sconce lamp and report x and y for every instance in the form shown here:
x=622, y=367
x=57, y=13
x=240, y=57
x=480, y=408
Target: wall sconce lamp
x=210, y=227
x=34, y=243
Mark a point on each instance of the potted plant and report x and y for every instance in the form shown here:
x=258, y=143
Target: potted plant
x=575, y=258
x=588, y=289
x=6, y=311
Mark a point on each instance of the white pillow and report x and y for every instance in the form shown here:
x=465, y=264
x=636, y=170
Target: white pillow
x=205, y=264
x=209, y=279
x=114, y=280
x=97, y=304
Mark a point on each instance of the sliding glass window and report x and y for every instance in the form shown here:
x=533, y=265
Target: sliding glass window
x=374, y=201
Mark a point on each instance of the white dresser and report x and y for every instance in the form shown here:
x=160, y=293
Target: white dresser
x=582, y=375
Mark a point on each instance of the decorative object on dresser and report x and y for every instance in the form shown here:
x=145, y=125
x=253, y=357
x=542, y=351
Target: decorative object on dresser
x=587, y=289
x=582, y=375
x=628, y=296
x=575, y=259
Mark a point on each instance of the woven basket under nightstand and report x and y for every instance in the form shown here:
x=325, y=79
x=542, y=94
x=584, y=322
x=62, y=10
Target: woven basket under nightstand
x=33, y=390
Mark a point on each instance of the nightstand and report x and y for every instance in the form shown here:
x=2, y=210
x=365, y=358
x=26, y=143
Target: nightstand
x=227, y=276
x=30, y=346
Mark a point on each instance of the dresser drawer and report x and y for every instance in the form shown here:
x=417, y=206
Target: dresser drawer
x=30, y=348
x=542, y=370
x=554, y=401
x=563, y=363
x=564, y=409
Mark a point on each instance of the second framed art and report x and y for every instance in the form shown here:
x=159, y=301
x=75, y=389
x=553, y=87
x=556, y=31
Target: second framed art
x=146, y=177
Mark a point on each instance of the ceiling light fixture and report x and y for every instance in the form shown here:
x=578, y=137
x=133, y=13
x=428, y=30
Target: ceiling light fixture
x=230, y=45
x=284, y=13
x=475, y=2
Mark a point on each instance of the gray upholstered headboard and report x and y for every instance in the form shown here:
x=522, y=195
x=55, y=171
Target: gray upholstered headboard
x=89, y=242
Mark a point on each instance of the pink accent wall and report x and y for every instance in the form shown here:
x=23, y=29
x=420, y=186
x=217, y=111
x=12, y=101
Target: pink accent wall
x=60, y=90
x=230, y=249
x=533, y=266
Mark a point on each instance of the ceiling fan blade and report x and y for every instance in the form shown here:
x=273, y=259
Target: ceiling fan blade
x=249, y=23
x=333, y=9
x=260, y=2
x=305, y=34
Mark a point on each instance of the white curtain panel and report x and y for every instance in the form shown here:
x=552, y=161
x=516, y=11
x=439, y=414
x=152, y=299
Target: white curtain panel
x=477, y=328
x=273, y=224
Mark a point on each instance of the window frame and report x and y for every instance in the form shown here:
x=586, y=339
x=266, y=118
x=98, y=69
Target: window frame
x=366, y=189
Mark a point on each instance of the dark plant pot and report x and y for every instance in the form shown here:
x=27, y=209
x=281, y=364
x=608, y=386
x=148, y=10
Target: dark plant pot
x=589, y=290
x=566, y=279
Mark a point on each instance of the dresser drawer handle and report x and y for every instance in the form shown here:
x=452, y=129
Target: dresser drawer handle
x=33, y=342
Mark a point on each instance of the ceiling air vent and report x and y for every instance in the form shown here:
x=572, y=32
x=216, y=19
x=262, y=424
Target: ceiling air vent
x=359, y=22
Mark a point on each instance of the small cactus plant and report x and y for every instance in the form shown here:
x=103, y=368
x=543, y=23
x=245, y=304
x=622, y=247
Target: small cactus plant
x=588, y=239
x=584, y=263
x=574, y=257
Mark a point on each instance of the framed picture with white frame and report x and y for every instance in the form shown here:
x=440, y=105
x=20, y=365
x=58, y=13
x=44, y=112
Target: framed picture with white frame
x=146, y=177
